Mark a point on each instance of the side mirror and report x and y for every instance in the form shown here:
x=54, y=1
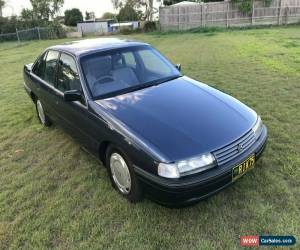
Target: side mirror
x=178, y=66
x=28, y=67
x=72, y=95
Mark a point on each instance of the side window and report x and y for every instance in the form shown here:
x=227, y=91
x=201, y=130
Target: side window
x=68, y=78
x=129, y=59
x=50, y=67
x=39, y=67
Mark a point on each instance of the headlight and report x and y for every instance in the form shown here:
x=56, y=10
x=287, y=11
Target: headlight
x=185, y=167
x=257, y=128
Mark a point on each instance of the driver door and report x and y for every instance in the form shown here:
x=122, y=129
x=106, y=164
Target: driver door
x=74, y=115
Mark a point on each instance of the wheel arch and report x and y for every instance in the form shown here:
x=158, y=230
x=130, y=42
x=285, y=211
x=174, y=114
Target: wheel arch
x=33, y=97
x=102, y=151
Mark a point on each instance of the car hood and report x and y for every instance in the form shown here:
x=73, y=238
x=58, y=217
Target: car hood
x=182, y=117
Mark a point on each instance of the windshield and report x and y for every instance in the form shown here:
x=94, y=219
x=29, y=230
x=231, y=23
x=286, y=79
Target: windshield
x=124, y=70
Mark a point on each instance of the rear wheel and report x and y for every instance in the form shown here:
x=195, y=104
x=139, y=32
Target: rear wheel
x=43, y=118
x=122, y=176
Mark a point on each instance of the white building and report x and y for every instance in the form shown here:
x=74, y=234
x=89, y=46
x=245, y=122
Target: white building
x=89, y=27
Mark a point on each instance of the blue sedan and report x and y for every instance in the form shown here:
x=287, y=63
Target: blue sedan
x=158, y=133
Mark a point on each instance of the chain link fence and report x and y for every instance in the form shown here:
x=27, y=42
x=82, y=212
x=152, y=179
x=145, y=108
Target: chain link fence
x=37, y=33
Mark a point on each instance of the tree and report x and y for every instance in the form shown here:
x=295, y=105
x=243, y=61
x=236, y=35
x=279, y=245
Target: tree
x=89, y=15
x=44, y=9
x=8, y=25
x=27, y=14
x=2, y=3
x=73, y=16
x=108, y=15
x=245, y=6
x=128, y=13
x=146, y=6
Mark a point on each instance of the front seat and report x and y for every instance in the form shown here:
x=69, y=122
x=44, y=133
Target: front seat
x=125, y=75
x=96, y=68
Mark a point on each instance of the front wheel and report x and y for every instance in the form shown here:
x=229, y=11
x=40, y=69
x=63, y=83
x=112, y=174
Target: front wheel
x=122, y=176
x=43, y=118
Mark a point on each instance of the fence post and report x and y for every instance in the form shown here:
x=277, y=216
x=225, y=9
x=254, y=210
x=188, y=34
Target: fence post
x=287, y=15
x=39, y=34
x=178, y=18
x=252, y=17
x=227, y=13
x=203, y=15
x=279, y=12
x=17, y=35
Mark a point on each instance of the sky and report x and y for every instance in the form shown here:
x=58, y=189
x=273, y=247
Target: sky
x=14, y=7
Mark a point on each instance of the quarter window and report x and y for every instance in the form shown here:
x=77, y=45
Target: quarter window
x=50, y=68
x=68, y=78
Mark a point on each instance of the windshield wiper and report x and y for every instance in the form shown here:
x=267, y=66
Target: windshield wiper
x=152, y=83
x=166, y=79
x=139, y=87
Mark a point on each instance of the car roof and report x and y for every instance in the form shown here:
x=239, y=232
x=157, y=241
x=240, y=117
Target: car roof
x=88, y=46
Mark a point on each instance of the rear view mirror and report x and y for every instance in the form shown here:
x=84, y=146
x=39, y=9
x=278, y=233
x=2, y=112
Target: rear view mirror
x=178, y=66
x=72, y=95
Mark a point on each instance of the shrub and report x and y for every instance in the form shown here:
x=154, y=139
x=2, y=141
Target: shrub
x=9, y=25
x=56, y=30
x=149, y=26
x=245, y=6
x=126, y=31
x=48, y=30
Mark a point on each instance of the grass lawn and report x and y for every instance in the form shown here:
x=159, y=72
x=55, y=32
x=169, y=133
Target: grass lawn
x=55, y=195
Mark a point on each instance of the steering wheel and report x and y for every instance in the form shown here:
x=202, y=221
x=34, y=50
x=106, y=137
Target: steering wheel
x=103, y=79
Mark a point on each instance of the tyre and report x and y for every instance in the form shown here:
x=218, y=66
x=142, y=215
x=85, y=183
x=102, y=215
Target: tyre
x=43, y=118
x=122, y=176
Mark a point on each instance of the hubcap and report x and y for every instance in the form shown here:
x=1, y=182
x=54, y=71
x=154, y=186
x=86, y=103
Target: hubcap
x=40, y=111
x=120, y=173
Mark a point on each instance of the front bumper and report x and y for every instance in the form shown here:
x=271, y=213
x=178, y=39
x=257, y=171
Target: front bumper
x=190, y=189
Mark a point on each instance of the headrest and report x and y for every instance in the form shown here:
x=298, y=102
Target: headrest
x=99, y=65
x=117, y=61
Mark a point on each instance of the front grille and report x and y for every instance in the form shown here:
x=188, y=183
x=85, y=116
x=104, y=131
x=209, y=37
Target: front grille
x=232, y=150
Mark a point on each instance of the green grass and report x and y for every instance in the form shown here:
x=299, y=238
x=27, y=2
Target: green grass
x=55, y=195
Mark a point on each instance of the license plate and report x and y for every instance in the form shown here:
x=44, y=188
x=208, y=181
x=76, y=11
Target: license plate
x=242, y=168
